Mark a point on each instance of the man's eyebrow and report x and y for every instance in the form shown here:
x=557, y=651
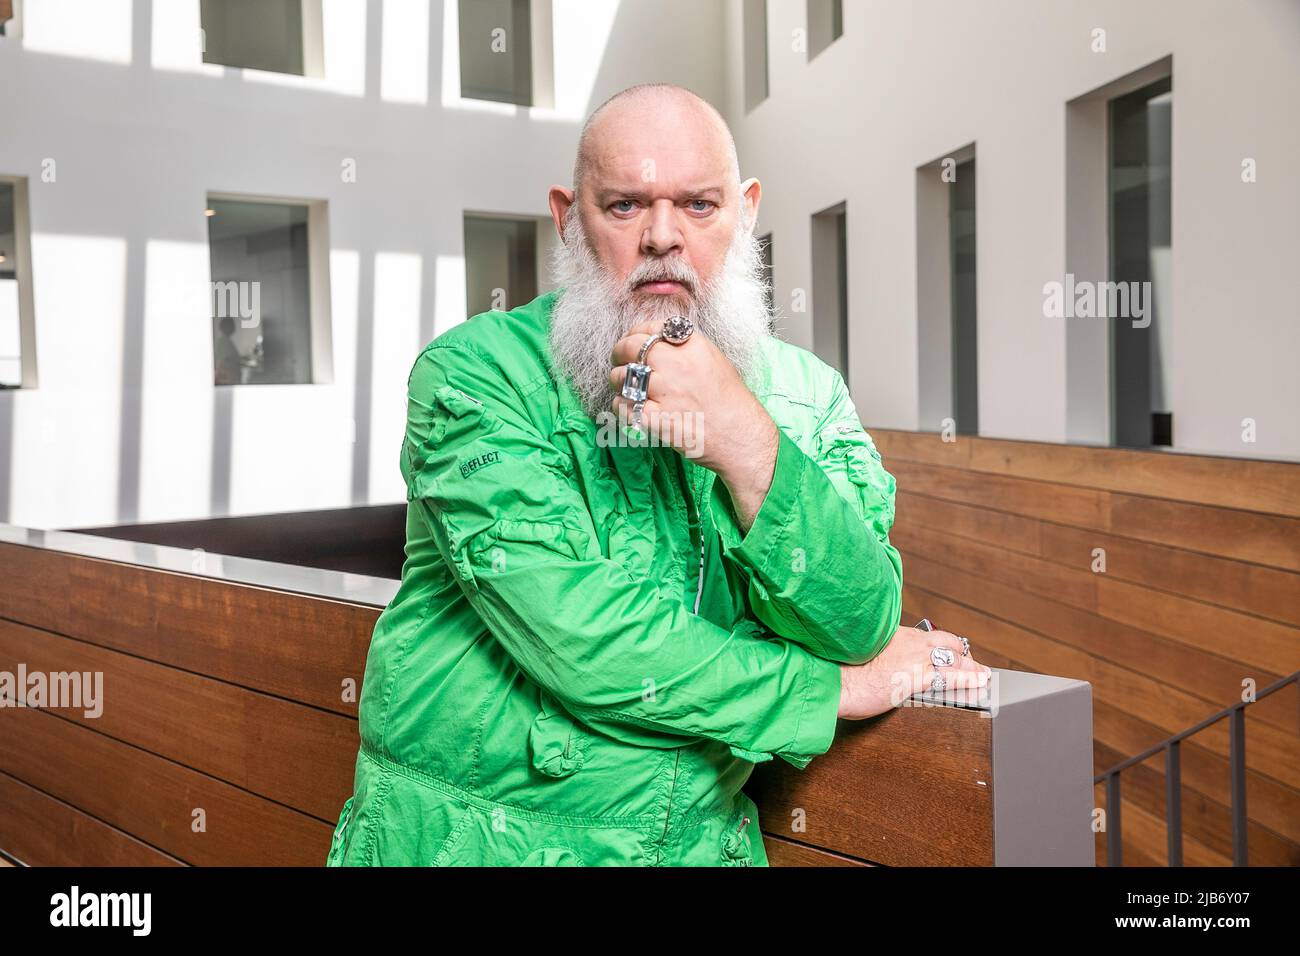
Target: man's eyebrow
x=704, y=192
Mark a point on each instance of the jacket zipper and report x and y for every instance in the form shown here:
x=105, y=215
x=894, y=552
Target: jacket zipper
x=699, y=533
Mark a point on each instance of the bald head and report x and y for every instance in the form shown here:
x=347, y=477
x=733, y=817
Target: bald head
x=658, y=105
x=658, y=223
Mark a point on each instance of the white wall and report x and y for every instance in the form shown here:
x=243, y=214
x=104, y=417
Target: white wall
x=912, y=80
x=125, y=424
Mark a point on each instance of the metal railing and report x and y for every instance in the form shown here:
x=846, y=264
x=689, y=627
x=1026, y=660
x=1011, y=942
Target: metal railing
x=1173, y=782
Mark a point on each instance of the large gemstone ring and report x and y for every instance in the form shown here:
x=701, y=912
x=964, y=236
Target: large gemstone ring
x=636, y=381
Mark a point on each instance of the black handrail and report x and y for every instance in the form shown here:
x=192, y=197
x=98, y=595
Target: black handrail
x=1173, y=781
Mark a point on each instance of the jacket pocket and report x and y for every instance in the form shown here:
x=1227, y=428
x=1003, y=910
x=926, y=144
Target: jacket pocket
x=446, y=853
x=557, y=742
x=736, y=849
x=553, y=856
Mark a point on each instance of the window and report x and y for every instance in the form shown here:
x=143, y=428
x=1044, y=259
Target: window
x=825, y=24
x=504, y=260
x=1114, y=296
x=961, y=256
x=496, y=51
x=947, y=331
x=270, y=321
x=280, y=36
x=1140, y=247
x=17, y=331
x=830, y=298
x=755, y=28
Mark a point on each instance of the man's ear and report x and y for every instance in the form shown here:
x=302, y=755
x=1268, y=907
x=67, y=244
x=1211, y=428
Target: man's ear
x=751, y=192
x=560, y=199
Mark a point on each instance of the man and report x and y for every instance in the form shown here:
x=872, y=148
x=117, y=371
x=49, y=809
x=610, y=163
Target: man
x=600, y=629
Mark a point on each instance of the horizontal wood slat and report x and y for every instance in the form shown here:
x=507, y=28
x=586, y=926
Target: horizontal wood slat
x=1252, y=485
x=308, y=647
x=890, y=820
x=782, y=852
x=1199, y=596
x=1241, y=535
x=297, y=755
x=40, y=830
x=216, y=696
x=1236, y=585
x=1269, y=650
x=155, y=799
x=1272, y=750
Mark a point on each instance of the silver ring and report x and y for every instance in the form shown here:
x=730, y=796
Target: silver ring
x=965, y=646
x=677, y=329
x=938, y=684
x=636, y=415
x=646, y=347
x=942, y=656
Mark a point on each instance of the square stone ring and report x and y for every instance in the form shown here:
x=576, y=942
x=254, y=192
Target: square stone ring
x=636, y=379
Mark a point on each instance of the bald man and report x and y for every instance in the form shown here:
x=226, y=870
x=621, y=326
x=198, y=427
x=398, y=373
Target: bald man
x=647, y=543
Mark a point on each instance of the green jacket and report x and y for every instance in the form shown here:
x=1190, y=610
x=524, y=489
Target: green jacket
x=542, y=688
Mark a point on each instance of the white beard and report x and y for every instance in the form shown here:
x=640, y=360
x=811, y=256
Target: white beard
x=594, y=311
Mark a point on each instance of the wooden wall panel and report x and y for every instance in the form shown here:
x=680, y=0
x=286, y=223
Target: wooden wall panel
x=191, y=720
x=193, y=623
x=154, y=799
x=782, y=852
x=40, y=830
x=890, y=820
x=1200, y=593
x=285, y=751
x=217, y=696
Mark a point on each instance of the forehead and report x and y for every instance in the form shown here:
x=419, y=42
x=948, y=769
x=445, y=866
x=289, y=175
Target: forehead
x=666, y=144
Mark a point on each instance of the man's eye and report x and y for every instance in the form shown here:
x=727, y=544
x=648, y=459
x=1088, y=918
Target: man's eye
x=623, y=202
x=701, y=205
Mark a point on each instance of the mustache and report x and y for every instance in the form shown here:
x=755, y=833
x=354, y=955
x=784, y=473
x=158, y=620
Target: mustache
x=662, y=270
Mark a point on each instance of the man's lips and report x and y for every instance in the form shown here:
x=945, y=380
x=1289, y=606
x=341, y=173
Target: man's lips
x=665, y=287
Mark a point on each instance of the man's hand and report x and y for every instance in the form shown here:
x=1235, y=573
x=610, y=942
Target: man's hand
x=902, y=669
x=698, y=404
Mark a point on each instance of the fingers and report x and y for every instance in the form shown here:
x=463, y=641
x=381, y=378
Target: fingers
x=650, y=413
x=954, y=677
x=628, y=348
x=959, y=686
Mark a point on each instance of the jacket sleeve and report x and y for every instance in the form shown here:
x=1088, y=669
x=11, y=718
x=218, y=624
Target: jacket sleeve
x=820, y=566
x=617, y=654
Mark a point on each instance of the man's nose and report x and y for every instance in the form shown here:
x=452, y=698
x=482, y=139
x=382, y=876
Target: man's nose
x=662, y=235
